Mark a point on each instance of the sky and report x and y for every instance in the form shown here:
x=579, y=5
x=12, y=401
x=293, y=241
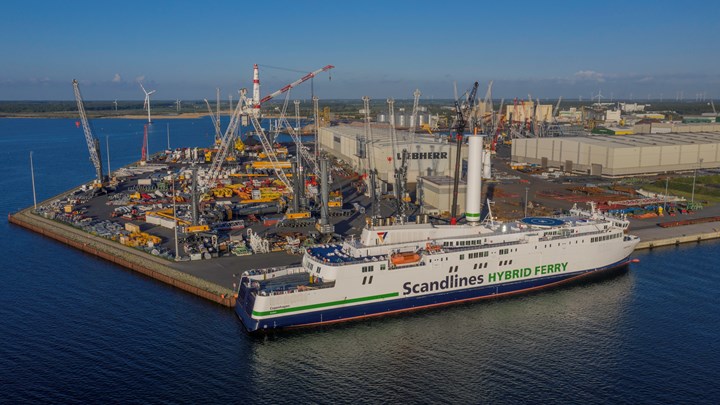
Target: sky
x=185, y=50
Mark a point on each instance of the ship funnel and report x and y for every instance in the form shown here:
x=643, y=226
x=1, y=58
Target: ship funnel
x=473, y=195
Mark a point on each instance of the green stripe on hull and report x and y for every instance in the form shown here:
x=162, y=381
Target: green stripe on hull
x=325, y=304
x=472, y=215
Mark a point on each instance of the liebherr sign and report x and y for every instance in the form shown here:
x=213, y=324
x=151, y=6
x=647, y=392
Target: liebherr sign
x=424, y=155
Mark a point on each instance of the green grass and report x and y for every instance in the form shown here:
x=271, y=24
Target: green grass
x=683, y=187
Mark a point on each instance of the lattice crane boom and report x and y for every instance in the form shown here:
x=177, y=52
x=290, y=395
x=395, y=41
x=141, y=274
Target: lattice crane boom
x=227, y=140
x=270, y=152
x=92, y=142
x=293, y=84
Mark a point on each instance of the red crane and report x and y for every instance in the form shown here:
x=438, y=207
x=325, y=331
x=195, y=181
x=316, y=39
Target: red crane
x=293, y=84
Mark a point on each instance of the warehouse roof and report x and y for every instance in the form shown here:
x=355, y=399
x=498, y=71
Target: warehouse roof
x=381, y=135
x=639, y=140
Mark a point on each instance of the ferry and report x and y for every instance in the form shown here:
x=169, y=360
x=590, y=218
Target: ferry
x=397, y=267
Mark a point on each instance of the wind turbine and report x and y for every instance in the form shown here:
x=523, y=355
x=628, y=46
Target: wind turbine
x=115, y=102
x=147, y=101
x=177, y=104
x=599, y=96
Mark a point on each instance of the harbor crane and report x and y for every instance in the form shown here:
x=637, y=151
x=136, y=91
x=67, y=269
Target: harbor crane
x=258, y=103
x=459, y=127
x=369, y=154
x=92, y=142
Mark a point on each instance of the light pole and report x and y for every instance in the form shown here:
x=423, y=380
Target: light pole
x=32, y=176
x=526, y=200
x=177, y=253
x=692, y=199
x=667, y=178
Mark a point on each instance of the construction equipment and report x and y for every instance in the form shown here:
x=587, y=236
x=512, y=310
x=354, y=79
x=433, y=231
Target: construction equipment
x=256, y=93
x=269, y=152
x=413, y=117
x=459, y=126
x=372, y=173
x=215, y=121
x=92, y=143
x=227, y=139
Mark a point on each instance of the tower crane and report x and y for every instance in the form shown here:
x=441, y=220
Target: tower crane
x=459, y=127
x=371, y=161
x=215, y=121
x=92, y=142
x=287, y=87
x=413, y=117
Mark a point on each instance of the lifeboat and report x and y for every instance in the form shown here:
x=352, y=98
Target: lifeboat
x=404, y=258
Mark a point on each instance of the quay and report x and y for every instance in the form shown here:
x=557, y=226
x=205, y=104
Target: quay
x=125, y=256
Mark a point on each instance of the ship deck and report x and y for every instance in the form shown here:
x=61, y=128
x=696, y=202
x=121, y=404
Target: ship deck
x=334, y=255
x=291, y=283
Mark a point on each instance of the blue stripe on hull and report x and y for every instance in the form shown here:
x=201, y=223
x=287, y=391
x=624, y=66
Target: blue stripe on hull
x=332, y=315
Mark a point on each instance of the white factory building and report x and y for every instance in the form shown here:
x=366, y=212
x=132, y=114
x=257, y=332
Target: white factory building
x=428, y=155
x=622, y=155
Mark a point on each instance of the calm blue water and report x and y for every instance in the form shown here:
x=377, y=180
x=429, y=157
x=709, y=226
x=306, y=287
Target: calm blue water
x=76, y=329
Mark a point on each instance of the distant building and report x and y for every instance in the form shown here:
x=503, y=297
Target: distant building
x=527, y=111
x=621, y=156
x=612, y=116
x=631, y=108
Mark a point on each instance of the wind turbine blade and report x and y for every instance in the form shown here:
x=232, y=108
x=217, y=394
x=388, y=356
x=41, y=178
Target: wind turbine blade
x=143, y=88
x=151, y=92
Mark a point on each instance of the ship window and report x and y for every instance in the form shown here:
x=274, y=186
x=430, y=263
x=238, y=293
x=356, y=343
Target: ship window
x=462, y=257
x=382, y=267
x=370, y=281
x=485, y=266
x=364, y=280
x=475, y=266
x=510, y=262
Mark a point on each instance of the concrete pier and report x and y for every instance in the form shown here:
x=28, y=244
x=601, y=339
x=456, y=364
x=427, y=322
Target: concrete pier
x=127, y=257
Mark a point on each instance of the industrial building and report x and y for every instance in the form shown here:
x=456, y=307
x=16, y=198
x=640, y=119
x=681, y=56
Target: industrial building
x=437, y=194
x=428, y=155
x=621, y=156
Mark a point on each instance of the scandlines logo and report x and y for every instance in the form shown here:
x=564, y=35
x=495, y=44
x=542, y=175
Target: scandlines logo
x=448, y=282
x=382, y=236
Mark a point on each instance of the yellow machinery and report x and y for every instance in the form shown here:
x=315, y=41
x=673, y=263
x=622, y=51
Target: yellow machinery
x=168, y=214
x=427, y=128
x=261, y=164
x=140, y=239
x=222, y=192
x=239, y=145
x=281, y=151
x=336, y=200
x=297, y=215
x=197, y=228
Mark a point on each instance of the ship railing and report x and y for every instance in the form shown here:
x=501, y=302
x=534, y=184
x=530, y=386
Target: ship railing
x=350, y=260
x=571, y=235
x=293, y=288
x=483, y=246
x=272, y=272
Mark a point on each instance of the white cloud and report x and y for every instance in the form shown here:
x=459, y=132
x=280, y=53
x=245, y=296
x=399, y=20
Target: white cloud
x=117, y=78
x=590, y=75
x=140, y=78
